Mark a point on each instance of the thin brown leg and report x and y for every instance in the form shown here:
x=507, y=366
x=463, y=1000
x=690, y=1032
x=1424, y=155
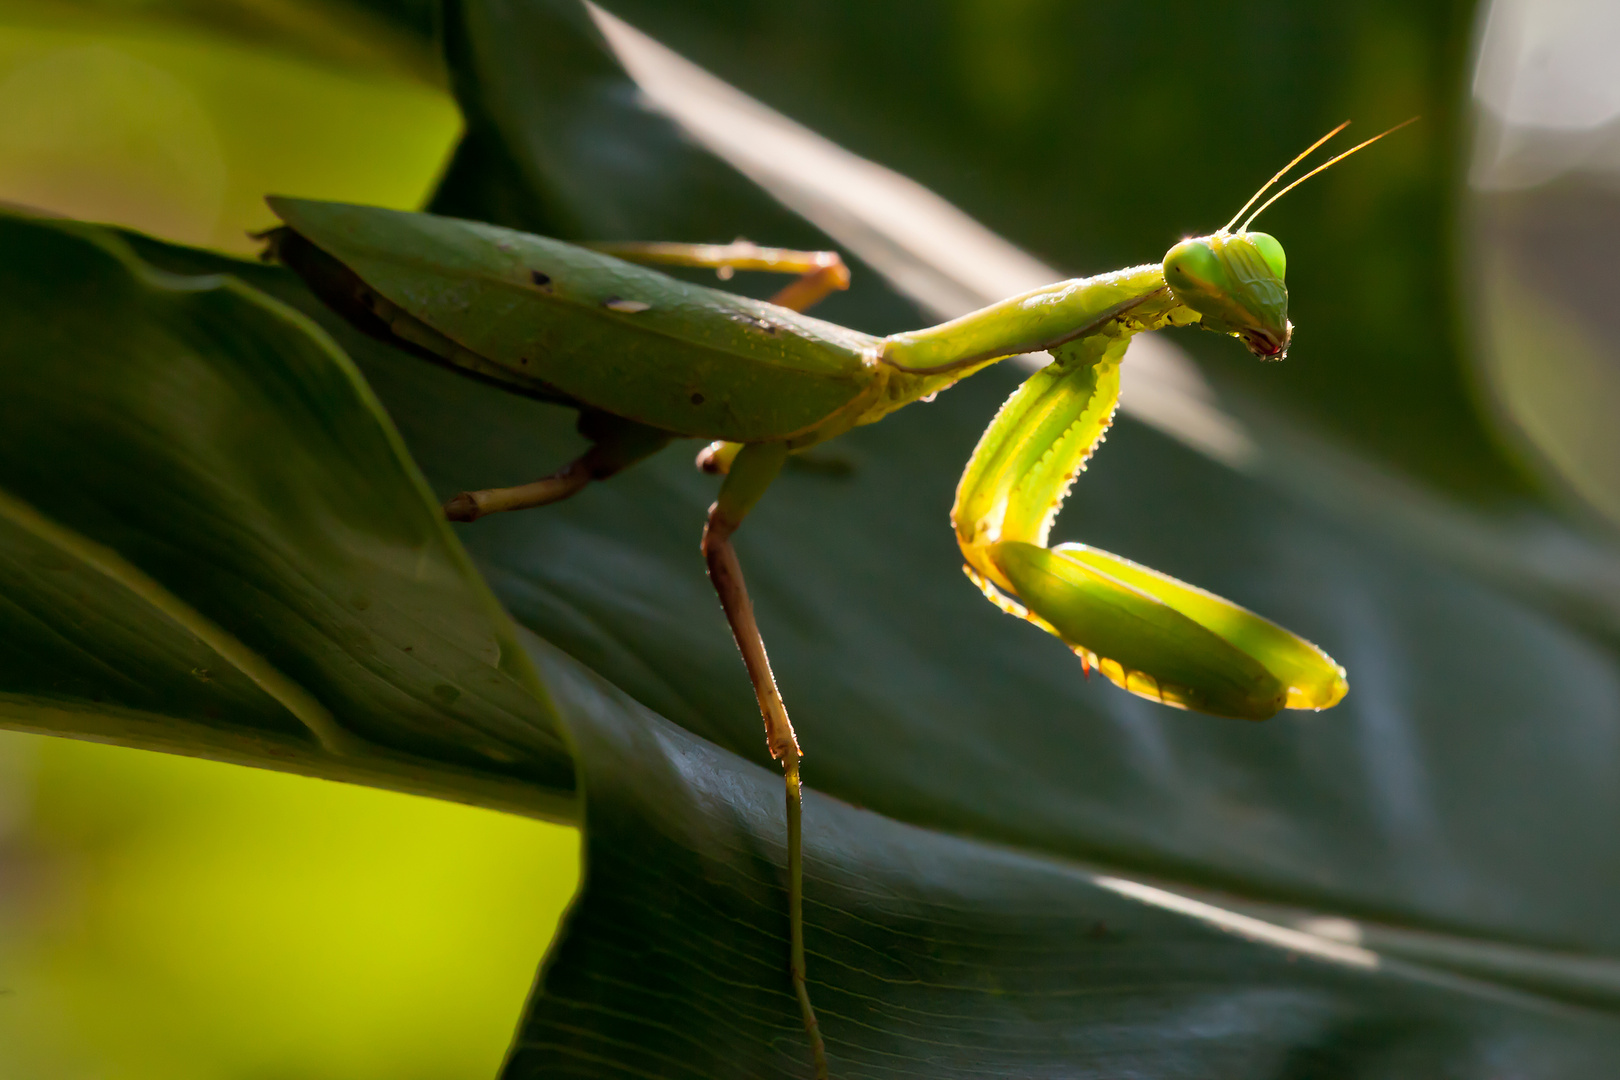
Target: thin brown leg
x=796, y=965
x=726, y=574
x=744, y=485
x=813, y=287
x=616, y=444
x=472, y=505
x=821, y=272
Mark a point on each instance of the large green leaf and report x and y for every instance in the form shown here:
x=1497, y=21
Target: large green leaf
x=213, y=541
x=1458, y=797
x=1411, y=804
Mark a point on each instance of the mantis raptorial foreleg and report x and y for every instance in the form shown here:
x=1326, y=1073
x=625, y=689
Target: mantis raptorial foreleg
x=1146, y=631
x=617, y=444
x=751, y=472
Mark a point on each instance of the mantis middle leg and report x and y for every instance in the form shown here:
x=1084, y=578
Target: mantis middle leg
x=617, y=443
x=750, y=474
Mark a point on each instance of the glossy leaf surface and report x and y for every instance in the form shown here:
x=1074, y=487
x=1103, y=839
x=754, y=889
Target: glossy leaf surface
x=213, y=535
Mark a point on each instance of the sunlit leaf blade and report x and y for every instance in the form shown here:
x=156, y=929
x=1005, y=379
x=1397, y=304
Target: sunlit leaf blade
x=206, y=517
x=76, y=640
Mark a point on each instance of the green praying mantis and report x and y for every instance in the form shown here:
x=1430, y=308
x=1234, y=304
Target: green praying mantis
x=648, y=359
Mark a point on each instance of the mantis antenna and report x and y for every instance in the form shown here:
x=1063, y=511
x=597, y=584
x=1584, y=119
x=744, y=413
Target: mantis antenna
x=1326, y=164
x=1284, y=172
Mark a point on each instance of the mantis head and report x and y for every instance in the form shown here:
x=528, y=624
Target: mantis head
x=1235, y=279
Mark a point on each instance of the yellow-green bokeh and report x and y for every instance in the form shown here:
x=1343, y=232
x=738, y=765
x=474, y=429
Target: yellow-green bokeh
x=175, y=918
x=182, y=134
x=171, y=918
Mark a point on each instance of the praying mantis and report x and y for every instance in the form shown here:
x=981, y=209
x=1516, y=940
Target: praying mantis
x=648, y=359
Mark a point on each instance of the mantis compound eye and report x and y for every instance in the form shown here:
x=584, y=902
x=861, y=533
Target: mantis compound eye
x=1271, y=252
x=1192, y=267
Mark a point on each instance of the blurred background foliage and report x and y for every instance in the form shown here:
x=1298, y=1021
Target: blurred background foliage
x=1542, y=220
x=177, y=119
x=135, y=887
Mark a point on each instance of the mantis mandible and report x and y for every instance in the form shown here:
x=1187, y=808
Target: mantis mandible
x=648, y=359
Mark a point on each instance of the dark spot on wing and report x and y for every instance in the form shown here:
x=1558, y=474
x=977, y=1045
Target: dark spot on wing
x=542, y=280
x=757, y=324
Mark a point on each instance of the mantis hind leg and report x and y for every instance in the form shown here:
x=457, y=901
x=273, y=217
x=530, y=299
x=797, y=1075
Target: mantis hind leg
x=616, y=444
x=750, y=474
x=821, y=273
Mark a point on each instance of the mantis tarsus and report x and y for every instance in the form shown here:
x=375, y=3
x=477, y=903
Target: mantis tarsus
x=648, y=359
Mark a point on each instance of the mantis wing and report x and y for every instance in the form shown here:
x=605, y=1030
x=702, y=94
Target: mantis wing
x=620, y=338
